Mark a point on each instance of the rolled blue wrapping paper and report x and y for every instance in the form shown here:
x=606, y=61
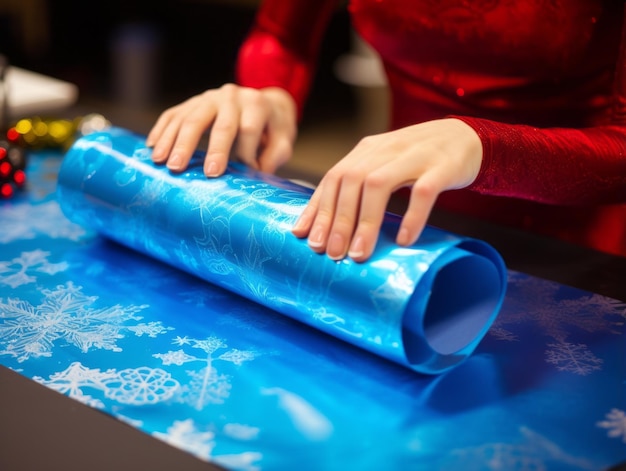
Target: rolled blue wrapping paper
x=426, y=306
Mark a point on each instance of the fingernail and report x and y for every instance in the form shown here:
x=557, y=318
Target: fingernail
x=211, y=169
x=149, y=142
x=403, y=236
x=157, y=154
x=299, y=225
x=174, y=161
x=316, y=239
x=357, y=249
x=336, y=247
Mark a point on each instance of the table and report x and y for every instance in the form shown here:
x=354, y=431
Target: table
x=523, y=364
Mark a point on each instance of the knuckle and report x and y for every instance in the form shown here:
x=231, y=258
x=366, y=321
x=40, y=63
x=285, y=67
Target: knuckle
x=254, y=98
x=224, y=126
x=375, y=181
x=324, y=216
x=366, y=142
x=229, y=88
x=284, y=149
x=423, y=190
x=249, y=128
x=192, y=120
x=343, y=222
x=369, y=224
x=352, y=176
x=168, y=114
x=333, y=176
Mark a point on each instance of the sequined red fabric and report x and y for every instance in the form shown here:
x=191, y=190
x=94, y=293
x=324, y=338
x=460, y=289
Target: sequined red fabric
x=543, y=83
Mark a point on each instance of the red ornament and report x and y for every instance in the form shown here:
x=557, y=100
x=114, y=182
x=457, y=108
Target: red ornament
x=19, y=177
x=13, y=135
x=5, y=169
x=6, y=190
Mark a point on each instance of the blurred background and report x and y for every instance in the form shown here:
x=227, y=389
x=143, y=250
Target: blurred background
x=129, y=63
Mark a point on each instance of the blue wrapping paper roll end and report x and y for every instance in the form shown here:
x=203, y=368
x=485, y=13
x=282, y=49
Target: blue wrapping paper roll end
x=453, y=307
x=426, y=307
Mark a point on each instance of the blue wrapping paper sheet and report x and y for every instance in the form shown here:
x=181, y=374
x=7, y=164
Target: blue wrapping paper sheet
x=237, y=383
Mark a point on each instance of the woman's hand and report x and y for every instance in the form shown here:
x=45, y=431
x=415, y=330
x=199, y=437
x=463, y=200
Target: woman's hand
x=346, y=211
x=257, y=127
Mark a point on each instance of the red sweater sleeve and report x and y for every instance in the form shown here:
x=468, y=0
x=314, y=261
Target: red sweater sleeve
x=554, y=166
x=281, y=49
x=558, y=165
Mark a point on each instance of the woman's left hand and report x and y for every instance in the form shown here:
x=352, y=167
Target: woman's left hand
x=345, y=213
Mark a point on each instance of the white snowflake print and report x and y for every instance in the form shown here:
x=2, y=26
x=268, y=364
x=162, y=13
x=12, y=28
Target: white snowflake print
x=25, y=221
x=73, y=379
x=503, y=334
x=66, y=316
x=20, y=270
x=540, y=302
x=537, y=301
x=615, y=423
x=134, y=386
x=139, y=386
x=533, y=452
x=575, y=358
x=206, y=385
x=185, y=435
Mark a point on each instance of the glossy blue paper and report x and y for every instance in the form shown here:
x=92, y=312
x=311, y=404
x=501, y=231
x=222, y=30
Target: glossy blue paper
x=238, y=384
x=426, y=306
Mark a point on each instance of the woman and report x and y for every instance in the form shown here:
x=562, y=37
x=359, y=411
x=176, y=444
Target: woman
x=514, y=111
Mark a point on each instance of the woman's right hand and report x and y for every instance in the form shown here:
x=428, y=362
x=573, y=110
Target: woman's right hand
x=255, y=126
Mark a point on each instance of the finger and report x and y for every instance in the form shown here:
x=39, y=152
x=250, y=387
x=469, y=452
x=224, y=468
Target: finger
x=278, y=149
x=377, y=188
x=163, y=147
x=221, y=139
x=158, y=128
x=254, y=117
x=346, y=212
x=163, y=135
x=302, y=227
x=423, y=196
x=189, y=134
x=326, y=204
x=277, y=152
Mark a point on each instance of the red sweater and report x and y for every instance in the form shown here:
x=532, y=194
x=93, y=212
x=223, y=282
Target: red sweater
x=543, y=83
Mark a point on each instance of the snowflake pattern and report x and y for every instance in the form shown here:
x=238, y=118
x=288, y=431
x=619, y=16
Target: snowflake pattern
x=183, y=434
x=139, y=386
x=206, y=385
x=615, y=424
x=589, y=313
x=186, y=435
x=19, y=271
x=73, y=379
x=66, y=317
x=25, y=221
x=533, y=452
x=575, y=358
x=134, y=386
